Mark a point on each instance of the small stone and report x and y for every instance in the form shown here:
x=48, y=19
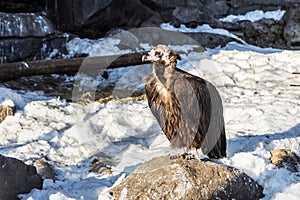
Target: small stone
x=44, y=169
x=285, y=158
x=5, y=111
x=100, y=167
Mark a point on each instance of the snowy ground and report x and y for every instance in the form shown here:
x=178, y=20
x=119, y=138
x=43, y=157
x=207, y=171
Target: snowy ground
x=261, y=113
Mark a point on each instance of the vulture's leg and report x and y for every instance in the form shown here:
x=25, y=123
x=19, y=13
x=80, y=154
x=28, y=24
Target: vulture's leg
x=200, y=156
x=176, y=155
x=186, y=155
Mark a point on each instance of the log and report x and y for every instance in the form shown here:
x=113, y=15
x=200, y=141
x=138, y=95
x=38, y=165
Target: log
x=295, y=85
x=89, y=65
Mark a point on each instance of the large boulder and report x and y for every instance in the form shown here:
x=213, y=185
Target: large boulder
x=22, y=6
x=116, y=15
x=87, y=8
x=244, y=6
x=17, y=178
x=192, y=16
x=211, y=40
x=162, y=178
x=28, y=36
x=264, y=33
x=217, y=8
x=25, y=25
x=292, y=26
x=16, y=49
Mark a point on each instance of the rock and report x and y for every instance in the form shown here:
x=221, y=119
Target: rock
x=192, y=17
x=5, y=111
x=44, y=169
x=162, y=178
x=217, y=8
x=163, y=7
x=210, y=40
x=17, y=178
x=100, y=167
x=116, y=15
x=17, y=49
x=87, y=8
x=22, y=6
x=244, y=6
x=285, y=158
x=102, y=164
x=292, y=26
x=164, y=4
x=264, y=33
x=25, y=25
x=26, y=36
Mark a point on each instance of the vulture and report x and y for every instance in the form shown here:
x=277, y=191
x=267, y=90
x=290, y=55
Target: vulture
x=188, y=108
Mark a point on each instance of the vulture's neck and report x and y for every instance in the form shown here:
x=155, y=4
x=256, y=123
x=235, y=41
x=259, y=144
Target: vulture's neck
x=164, y=72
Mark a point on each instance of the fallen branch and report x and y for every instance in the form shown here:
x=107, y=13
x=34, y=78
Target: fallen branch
x=88, y=65
x=295, y=85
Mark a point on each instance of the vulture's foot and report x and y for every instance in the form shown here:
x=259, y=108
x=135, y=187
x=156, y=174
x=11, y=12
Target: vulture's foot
x=175, y=156
x=188, y=156
x=185, y=156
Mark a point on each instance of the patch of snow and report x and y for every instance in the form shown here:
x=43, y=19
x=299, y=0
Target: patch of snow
x=100, y=47
x=205, y=28
x=255, y=16
x=292, y=192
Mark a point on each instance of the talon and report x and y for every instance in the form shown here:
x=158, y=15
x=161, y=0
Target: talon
x=188, y=156
x=173, y=157
x=184, y=156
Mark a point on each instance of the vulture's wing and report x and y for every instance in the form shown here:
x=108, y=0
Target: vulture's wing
x=155, y=101
x=215, y=141
x=193, y=97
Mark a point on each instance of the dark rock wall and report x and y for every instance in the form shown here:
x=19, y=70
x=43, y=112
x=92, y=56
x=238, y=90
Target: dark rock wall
x=96, y=18
x=22, y=6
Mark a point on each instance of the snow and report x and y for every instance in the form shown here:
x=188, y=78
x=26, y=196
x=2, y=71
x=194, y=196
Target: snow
x=103, y=47
x=205, y=28
x=261, y=113
x=255, y=16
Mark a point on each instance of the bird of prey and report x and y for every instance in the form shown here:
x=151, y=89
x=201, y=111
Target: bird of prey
x=188, y=108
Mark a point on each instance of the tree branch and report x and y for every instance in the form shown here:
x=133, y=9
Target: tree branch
x=88, y=65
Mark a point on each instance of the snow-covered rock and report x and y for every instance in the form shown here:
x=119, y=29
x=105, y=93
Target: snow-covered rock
x=162, y=178
x=17, y=178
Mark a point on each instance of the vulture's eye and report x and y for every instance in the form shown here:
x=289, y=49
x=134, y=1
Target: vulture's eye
x=158, y=54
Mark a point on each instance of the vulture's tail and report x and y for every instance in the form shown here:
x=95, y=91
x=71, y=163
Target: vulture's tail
x=219, y=150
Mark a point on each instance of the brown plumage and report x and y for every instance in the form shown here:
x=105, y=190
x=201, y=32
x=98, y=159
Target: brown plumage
x=188, y=108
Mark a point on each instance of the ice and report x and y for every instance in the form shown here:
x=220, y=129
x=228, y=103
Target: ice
x=205, y=28
x=255, y=16
x=25, y=25
x=100, y=47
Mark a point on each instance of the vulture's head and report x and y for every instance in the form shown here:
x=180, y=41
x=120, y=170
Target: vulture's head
x=162, y=54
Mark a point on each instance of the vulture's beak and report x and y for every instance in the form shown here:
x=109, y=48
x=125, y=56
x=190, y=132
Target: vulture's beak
x=146, y=58
x=149, y=58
